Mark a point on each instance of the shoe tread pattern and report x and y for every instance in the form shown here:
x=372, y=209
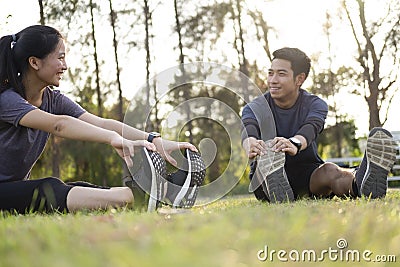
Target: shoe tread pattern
x=278, y=187
x=198, y=173
x=381, y=155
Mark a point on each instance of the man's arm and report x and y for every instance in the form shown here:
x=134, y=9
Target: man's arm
x=251, y=135
x=314, y=123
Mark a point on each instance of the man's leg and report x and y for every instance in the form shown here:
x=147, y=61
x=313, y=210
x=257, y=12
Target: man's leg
x=80, y=197
x=370, y=179
x=330, y=178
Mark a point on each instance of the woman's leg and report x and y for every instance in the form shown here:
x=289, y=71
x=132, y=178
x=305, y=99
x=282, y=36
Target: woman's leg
x=330, y=178
x=40, y=195
x=50, y=194
x=80, y=197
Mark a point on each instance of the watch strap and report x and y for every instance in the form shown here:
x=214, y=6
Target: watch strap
x=296, y=144
x=152, y=135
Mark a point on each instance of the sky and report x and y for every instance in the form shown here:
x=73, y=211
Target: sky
x=297, y=24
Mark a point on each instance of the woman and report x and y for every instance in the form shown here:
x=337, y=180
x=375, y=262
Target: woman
x=30, y=62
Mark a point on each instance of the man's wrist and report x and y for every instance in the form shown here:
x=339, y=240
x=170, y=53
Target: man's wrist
x=297, y=143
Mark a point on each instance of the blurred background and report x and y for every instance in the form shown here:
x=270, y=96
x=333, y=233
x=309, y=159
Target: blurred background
x=116, y=47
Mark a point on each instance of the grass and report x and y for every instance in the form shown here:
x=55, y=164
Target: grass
x=229, y=232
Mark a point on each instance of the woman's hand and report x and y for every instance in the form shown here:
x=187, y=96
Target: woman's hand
x=166, y=147
x=126, y=148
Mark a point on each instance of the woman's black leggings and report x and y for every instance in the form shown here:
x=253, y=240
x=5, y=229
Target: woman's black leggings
x=41, y=195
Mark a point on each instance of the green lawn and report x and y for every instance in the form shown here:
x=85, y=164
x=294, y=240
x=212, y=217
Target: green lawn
x=229, y=232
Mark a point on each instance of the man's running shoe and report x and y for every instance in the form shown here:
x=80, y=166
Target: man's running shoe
x=257, y=183
x=271, y=166
x=380, y=155
x=183, y=189
x=150, y=177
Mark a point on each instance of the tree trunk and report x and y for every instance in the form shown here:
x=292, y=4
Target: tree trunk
x=96, y=61
x=54, y=147
x=243, y=64
x=372, y=100
x=41, y=12
x=117, y=69
x=186, y=87
x=125, y=170
x=103, y=170
x=147, y=16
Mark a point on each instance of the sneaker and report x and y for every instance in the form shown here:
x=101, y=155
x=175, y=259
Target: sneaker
x=150, y=177
x=257, y=186
x=182, y=193
x=380, y=155
x=138, y=193
x=272, y=166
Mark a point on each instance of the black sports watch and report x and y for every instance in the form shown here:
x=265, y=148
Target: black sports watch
x=296, y=142
x=153, y=135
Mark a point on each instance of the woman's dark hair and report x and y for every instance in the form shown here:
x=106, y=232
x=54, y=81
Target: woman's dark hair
x=300, y=62
x=15, y=50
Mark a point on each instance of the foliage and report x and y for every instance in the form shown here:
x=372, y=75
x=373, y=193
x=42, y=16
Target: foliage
x=339, y=141
x=377, y=42
x=211, y=31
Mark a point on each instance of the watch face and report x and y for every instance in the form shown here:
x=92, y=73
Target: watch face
x=295, y=140
x=153, y=135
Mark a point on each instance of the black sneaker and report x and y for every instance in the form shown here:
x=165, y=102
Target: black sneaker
x=379, y=157
x=140, y=200
x=150, y=177
x=271, y=166
x=183, y=189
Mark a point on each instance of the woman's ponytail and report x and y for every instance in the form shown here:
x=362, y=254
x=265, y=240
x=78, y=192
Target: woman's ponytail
x=9, y=76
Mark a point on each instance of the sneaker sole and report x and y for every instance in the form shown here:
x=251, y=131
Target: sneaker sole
x=271, y=166
x=263, y=169
x=381, y=155
x=186, y=197
x=157, y=187
x=198, y=176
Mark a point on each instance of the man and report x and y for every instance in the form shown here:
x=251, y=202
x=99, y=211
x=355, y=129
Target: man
x=288, y=162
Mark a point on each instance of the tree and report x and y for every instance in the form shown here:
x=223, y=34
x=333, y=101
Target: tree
x=348, y=146
x=378, y=45
x=153, y=124
x=240, y=48
x=80, y=160
x=330, y=85
x=113, y=18
x=54, y=147
x=41, y=12
x=183, y=86
x=213, y=23
x=96, y=61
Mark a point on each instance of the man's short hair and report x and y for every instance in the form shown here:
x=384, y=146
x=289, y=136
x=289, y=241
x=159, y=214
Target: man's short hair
x=300, y=62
